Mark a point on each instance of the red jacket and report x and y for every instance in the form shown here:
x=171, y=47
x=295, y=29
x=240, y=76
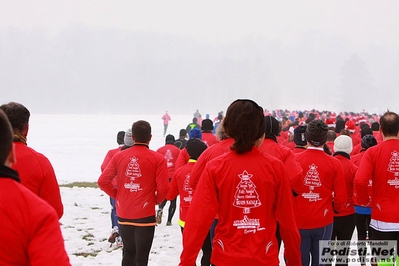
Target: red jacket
x=180, y=185
x=142, y=181
x=285, y=155
x=323, y=176
x=209, y=154
x=209, y=139
x=170, y=152
x=37, y=174
x=349, y=172
x=30, y=230
x=182, y=159
x=380, y=164
x=108, y=157
x=249, y=192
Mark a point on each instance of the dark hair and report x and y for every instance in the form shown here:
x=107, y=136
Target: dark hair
x=245, y=123
x=389, y=123
x=182, y=133
x=120, y=137
x=195, y=147
x=141, y=131
x=17, y=114
x=375, y=126
x=6, y=138
x=331, y=135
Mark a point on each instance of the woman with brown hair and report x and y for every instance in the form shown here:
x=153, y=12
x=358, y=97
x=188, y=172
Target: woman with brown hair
x=250, y=192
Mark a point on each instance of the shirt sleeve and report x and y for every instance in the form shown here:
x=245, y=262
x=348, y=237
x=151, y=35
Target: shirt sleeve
x=362, y=179
x=106, y=177
x=201, y=214
x=288, y=228
x=49, y=189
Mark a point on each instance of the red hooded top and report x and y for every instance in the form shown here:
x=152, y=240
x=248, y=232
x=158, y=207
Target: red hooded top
x=170, y=152
x=37, y=174
x=380, y=164
x=31, y=233
x=323, y=176
x=249, y=192
x=142, y=181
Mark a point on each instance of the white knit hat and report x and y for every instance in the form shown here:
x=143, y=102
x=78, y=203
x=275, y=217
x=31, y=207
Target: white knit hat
x=343, y=143
x=128, y=138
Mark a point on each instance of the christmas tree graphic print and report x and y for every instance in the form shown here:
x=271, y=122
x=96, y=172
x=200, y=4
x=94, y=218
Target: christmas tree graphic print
x=393, y=167
x=312, y=180
x=133, y=172
x=169, y=158
x=133, y=169
x=246, y=196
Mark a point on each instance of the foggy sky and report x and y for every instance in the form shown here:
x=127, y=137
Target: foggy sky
x=138, y=57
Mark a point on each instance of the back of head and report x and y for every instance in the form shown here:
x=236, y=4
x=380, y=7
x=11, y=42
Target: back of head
x=141, y=131
x=389, y=123
x=195, y=147
x=5, y=137
x=169, y=139
x=365, y=130
x=127, y=139
x=272, y=126
x=331, y=135
x=195, y=120
x=375, y=126
x=17, y=114
x=339, y=125
x=343, y=143
x=207, y=125
x=183, y=133
x=120, y=137
x=316, y=133
x=299, y=136
x=220, y=132
x=245, y=123
x=368, y=141
x=195, y=133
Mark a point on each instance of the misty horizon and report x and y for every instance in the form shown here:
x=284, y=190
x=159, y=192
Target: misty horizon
x=98, y=70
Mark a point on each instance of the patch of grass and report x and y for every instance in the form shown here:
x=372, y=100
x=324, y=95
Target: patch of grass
x=88, y=237
x=92, y=253
x=80, y=184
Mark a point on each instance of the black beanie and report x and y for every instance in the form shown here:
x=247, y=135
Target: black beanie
x=272, y=126
x=195, y=147
x=207, y=125
x=170, y=139
x=299, y=136
x=316, y=132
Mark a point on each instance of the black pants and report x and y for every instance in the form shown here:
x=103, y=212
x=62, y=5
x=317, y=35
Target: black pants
x=137, y=242
x=206, y=250
x=172, y=208
x=343, y=228
x=378, y=235
x=362, y=226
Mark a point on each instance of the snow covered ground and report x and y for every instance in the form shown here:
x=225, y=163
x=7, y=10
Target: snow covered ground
x=76, y=146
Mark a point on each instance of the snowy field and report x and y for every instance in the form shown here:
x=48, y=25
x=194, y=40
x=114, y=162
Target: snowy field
x=76, y=146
